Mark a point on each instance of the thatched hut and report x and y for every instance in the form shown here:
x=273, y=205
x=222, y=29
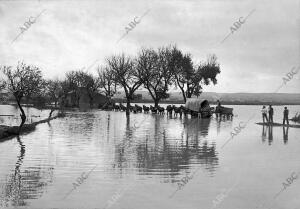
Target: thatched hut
x=199, y=106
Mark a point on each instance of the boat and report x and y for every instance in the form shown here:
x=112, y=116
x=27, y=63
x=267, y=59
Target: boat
x=279, y=124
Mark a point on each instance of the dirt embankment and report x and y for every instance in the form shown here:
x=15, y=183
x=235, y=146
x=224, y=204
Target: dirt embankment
x=7, y=131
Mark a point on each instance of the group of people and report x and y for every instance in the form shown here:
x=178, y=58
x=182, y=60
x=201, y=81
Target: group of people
x=270, y=111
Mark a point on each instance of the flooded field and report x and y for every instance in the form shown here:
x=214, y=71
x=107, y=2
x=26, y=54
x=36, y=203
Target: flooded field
x=103, y=159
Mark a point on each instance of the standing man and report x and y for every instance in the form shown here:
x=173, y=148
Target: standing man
x=264, y=112
x=271, y=112
x=286, y=115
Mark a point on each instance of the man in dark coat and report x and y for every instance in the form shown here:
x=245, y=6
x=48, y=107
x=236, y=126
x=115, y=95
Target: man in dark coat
x=271, y=113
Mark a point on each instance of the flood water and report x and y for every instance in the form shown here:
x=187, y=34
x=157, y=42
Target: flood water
x=139, y=162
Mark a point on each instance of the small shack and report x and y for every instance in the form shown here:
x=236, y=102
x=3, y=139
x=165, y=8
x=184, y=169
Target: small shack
x=83, y=101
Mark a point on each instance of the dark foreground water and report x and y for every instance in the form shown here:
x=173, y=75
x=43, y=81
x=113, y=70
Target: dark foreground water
x=103, y=159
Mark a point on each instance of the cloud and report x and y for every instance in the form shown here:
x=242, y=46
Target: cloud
x=73, y=34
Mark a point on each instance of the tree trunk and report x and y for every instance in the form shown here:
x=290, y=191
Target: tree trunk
x=51, y=111
x=183, y=94
x=91, y=102
x=189, y=91
x=62, y=105
x=156, y=101
x=128, y=107
x=23, y=115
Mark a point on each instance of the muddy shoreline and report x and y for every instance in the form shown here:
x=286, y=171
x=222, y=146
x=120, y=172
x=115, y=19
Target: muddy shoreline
x=9, y=131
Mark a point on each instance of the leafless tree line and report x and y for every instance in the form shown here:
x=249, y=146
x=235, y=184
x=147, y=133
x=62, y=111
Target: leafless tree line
x=158, y=70
x=154, y=70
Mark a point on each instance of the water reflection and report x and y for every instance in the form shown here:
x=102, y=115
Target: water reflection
x=12, y=190
x=269, y=130
x=156, y=151
x=264, y=134
x=108, y=126
x=285, y=134
x=265, y=130
x=26, y=183
x=151, y=148
x=270, y=135
x=221, y=120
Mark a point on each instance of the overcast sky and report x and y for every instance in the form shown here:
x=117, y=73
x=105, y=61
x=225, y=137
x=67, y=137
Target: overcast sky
x=71, y=35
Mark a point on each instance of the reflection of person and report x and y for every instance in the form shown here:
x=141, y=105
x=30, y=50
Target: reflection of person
x=270, y=135
x=286, y=116
x=285, y=134
x=218, y=108
x=218, y=124
x=271, y=112
x=264, y=112
x=264, y=134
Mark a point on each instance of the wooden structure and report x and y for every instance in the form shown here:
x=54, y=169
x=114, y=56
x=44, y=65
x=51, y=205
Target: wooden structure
x=223, y=111
x=199, y=108
x=279, y=124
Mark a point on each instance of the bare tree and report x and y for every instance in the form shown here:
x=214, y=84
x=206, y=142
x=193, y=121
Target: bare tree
x=82, y=82
x=190, y=79
x=184, y=72
x=90, y=83
x=156, y=70
x=65, y=89
x=24, y=81
x=209, y=70
x=125, y=74
x=54, y=92
x=107, y=81
x=73, y=84
x=2, y=84
x=205, y=74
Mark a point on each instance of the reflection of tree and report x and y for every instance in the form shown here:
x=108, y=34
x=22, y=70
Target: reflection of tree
x=81, y=124
x=27, y=184
x=175, y=159
x=195, y=126
x=108, y=126
x=120, y=155
x=157, y=151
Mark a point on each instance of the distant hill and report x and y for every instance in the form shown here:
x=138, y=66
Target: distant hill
x=212, y=97
x=228, y=98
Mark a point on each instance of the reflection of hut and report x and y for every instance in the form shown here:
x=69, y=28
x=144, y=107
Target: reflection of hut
x=199, y=106
x=194, y=127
